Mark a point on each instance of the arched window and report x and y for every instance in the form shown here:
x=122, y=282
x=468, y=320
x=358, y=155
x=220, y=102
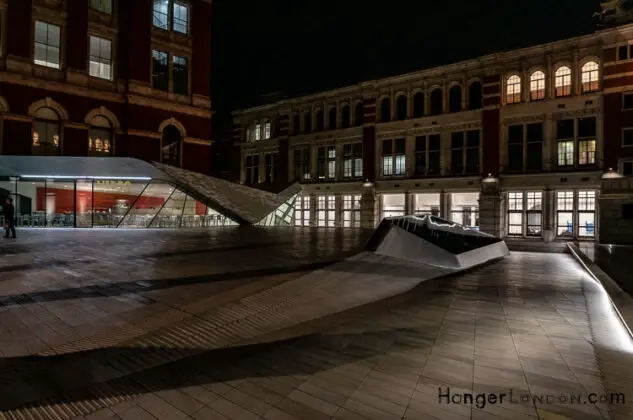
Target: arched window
x=359, y=114
x=319, y=120
x=537, y=86
x=46, y=132
x=418, y=105
x=307, y=122
x=385, y=110
x=296, y=124
x=475, y=96
x=513, y=89
x=563, y=81
x=170, y=152
x=590, y=75
x=401, y=108
x=345, y=116
x=437, y=102
x=247, y=134
x=455, y=99
x=332, y=123
x=100, y=137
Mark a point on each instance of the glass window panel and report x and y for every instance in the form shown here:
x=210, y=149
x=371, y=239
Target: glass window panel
x=181, y=18
x=171, y=213
x=181, y=79
x=161, y=14
x=148, y=205
x=587, y=224
x=83, y=201
x=112, y=199
x=565, y=224
x=30, y=203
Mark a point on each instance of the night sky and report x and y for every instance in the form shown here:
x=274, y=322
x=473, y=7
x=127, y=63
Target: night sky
x=298, y=47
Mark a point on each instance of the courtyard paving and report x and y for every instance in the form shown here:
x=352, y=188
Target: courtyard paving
x=266, y=324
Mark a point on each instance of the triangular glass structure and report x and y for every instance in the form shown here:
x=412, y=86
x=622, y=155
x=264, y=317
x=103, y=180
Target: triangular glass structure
x=282, y=216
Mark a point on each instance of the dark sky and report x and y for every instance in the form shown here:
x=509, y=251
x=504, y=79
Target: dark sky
x=304, y=46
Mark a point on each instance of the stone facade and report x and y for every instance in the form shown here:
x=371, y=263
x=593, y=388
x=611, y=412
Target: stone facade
x=98, y=72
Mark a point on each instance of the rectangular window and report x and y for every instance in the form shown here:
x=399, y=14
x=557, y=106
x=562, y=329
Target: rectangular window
x=160, y=70
x=424, y=204
x=393, y=205
x=534, y=147
x=351, y=211
x=457, y=152
x=627, y=100
x=586, y=213
x=258, y=132
x=565, y=138
x=180, y=19
x=353, y=160
x=326, y=211
x=435, y=153
x=400, y=155
x=302, y=211
x=472, y=151
x=627, y=168
x=534, y=213
x=171, y=15
x=525, y=213
x=47, y=45
x=302, y=161
x=465, y=209
x=387, y=157
x=587, y=141
x=267, y=131
x=252, y=169
x=565, y=213
x=270, y=168
x=420, y=155
x=515, y=147
x=321, y=163
x=103, y=6
x=100, y=58
x=623, y=52
x=180, y=73
x=627, y=137
x=161, y=14
x=331, y=162
x=515, y=213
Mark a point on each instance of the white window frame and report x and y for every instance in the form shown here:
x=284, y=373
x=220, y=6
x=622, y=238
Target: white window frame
x=100, y=61
x=513, y=89
x=330, y=159
x=537, y=86
x=326, y=211
x=578, y=198
x=351, y=210
x=519, y=204
x=267, y=130
x=171, y=7
x=590, y=75
x=47, y=46
x=258, y=132
x=562, y=81
x=302, y=211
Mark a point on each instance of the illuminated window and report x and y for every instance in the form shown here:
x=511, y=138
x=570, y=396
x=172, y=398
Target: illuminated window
x=331, y=162
x=267, y=130
x=513, y=90
x=180, y=19
x=587, y=141
x=351, y=211
x=103, y=6
x=100, y=137
x=590, y=75
x=160, y=70
x=562, y=81
x=353, y=160
x=465, y=209
x=537, y=86
x=393, y=157
x=424, y=204
x=393, y=205
x=565, y=213
x=302, y=211
x=565, y=140
x=525, y=213
x=46, y=132
x=586, y=213
x=171, y=15
x=47, y=45
x=326, y=211
x=100, y=58
x=258, y=132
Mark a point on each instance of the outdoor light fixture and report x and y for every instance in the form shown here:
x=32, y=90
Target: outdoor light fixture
x=116, y=178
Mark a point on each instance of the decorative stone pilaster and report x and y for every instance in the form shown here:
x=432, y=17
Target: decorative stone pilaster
x=549, y=216
x=408, y=203
x=491, y=205
x=368, y=206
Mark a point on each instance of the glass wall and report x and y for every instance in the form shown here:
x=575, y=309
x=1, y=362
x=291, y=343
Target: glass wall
x=86, y=203
x=426, y=204
x=465, y=209
x=282, y=216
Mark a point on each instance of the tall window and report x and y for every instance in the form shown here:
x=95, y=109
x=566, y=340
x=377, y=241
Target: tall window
x=515, y=147
x=319, y=120
x=267, y=130
x=103, y=6
x=393, y=157
x=296, y=124
x=170, y=153
x=100, y=137
x=525, y=213
x=565, y=141
x=587, y=141
x=326, y=211
x=465, y=154
x=180, y=75
x=590, y=76
x=427, y=155
x=534, y=146
x=565, y=213
x=586, y=213
x=351, y=211
x=457, y=152
x=345, y=116
x=465, y=209
x=100, y=58
x=46, y=132
x=472, y=151
x=385, y=110
x=513, y=89
x=270, y=161
x=171, y=15
x=258, y=132
x=332, y=120
x=393, y=205
x=437, y=102
x=455, y=99
x=252, y=169
x=359, y=114
x=160, y=70
x=562, y=81
x=302, y=211
x=47, y=45
x=331, y=162
x=307, y=122
x=537, y=86
x=525, y=148
x=426, y=204
x=321, y=152
x=401, y=108
x=353, y=160
x=302, y=161
x=475, y=96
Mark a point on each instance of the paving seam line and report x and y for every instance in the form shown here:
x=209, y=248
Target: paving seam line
x=578, y=255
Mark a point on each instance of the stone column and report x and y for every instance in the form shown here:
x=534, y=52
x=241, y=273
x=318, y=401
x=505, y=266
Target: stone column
x=445, y=205
x=313, y=210
x=368, y=206
x=549, y=215
x=491, y=208
x=408, y=203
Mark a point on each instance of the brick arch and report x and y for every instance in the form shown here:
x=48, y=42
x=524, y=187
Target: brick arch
x=175, y=123
x=48, y=103
x=103, y=112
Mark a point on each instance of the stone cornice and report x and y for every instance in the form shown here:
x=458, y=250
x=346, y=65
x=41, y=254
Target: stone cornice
x=176, y=108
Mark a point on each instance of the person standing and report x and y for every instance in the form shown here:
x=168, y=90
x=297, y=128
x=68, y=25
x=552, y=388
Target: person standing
x=9, y=218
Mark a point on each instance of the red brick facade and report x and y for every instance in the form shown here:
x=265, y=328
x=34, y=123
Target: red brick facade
x=137, y=112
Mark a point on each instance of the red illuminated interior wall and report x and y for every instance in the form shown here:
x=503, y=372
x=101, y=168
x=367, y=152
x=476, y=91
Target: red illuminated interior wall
x=65, y=202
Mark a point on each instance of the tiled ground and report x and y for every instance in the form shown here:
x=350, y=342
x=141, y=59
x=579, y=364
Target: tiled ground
x=134, y=324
